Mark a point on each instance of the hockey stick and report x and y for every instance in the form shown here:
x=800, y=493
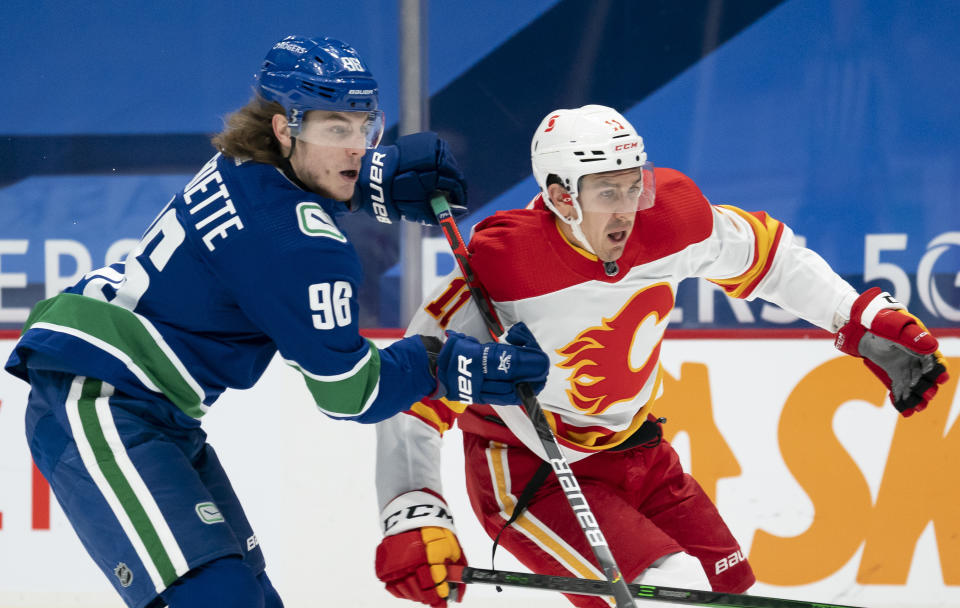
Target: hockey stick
x=583, y=586
x=615, y=584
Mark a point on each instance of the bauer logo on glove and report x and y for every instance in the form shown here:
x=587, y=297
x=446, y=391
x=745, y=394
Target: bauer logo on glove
x=397, y=182
x=471, y=372
x=896, y=347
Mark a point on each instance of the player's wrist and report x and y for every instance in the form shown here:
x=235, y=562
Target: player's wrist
x=842, y=314
x=433, y=346
x=870, y=304
x=416, y=509
x=863, y=312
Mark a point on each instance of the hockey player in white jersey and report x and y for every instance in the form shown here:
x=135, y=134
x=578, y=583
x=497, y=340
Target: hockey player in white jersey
x=245, y=261
x=591, y=266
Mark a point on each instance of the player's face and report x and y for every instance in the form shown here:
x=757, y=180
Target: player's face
x=609, y=202
x=328, y=153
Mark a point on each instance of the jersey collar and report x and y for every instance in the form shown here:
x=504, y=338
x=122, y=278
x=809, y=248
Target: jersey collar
x=580, y=250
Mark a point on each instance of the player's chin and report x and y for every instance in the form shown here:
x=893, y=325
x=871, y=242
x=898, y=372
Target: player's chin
x=343, y=188
x=338, y=192
x=610, y=253
x=614, y=246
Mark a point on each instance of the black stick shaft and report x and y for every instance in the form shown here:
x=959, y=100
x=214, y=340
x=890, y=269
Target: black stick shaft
x=616, y=586
x=582, y=586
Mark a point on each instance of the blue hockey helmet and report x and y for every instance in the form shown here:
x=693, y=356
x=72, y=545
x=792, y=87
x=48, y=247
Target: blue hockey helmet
x=319, y=73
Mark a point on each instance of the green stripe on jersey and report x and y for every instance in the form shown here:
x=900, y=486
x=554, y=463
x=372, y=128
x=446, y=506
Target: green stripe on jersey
x=126, y=332
x=86, y=407
x=346, y=394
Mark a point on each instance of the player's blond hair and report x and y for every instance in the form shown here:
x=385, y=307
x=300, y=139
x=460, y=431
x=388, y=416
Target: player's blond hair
x=248, y=133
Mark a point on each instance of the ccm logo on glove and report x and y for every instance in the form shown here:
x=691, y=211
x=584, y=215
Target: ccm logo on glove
x=414, y=510
x=420, y=542
x=416, y=513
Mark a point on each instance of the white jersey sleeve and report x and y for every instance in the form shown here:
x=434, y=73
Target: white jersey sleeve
x=409, y=445
x=761, y=258
x=408, y=458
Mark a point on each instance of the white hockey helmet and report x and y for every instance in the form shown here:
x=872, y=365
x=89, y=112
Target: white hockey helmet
x=572, y=143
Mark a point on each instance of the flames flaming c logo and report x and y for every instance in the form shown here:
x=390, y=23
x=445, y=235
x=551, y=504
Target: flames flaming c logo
x=600, y=356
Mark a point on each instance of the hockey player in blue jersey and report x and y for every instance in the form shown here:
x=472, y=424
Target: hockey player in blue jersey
x=247, y=260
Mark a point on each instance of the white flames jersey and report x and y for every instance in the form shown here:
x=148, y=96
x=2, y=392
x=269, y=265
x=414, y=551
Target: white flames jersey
x=603, y=333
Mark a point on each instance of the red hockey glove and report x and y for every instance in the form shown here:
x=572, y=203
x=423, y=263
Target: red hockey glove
x=419, y=542
x=896, y=347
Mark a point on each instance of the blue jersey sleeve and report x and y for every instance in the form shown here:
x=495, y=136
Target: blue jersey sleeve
x=310, y=310
x=296, y=276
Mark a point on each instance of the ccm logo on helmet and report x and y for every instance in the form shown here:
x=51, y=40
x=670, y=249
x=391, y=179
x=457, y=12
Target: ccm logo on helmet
x=625, y=146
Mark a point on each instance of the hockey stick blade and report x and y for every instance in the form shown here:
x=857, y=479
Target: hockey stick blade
x=583, y=586
x=616, y=585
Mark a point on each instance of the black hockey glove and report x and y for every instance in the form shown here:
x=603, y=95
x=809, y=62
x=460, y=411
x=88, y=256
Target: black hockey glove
x=398, y=181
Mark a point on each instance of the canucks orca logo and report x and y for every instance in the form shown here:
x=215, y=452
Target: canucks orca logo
x=209, y=513
x=314, y=221
x=926, y=288
x=123, y=574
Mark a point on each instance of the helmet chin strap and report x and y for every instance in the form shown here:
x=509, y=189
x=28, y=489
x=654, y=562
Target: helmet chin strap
x=580, y=236
x=574, y=223
x=288, y=170
x=610, y=268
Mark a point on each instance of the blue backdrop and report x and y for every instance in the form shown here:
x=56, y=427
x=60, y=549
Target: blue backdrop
x=836, y=117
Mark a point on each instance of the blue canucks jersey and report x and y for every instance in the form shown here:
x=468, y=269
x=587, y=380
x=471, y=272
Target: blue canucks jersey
x=239, y=264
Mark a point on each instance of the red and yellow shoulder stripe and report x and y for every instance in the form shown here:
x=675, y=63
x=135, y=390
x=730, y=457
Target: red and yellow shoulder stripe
x=767, y=232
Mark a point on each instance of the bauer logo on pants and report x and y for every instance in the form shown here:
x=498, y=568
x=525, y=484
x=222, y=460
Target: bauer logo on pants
x=729, y=561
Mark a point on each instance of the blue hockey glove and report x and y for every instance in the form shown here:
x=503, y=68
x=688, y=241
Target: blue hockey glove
x=471, y=372
x=398, y=181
